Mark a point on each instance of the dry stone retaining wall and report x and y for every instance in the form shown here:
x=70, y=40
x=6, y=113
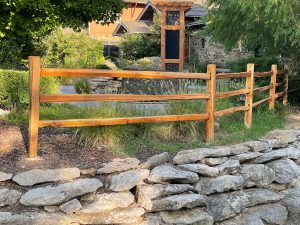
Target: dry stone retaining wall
x=254, y=183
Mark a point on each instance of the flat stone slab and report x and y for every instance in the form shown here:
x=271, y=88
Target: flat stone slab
x=231, y=166
x=54, y=195
x=219, y=184
x=71, y=206
x=37, y=176
x=9, y=197
x=271, y=214
x=156, y=160
x=202, y=169
x=257, y=146
x=286, y=170
x=129, y=179
x=288, y=136
x=145, y=193
x=291, y=153
x=196, y=155
x=5, y=176
x=170, y=173
x=118, y=165
x=227, y=205
x=109, y=201
x=175, y=202
x=257, y=175
x=214, y=161
x=187, y=216
x=247, y=156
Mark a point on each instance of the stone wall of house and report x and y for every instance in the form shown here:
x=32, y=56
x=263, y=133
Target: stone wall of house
x=253, y=183
x=208, y=51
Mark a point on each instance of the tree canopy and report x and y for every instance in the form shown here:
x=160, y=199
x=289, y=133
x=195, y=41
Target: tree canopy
x=33, y=18
x=270, y=25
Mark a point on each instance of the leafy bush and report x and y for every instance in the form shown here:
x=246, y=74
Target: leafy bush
x=14, y=88
x=72, y=50
x=262, y=64
x=82, y=86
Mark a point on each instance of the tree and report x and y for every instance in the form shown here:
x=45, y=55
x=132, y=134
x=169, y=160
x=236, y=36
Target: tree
x=273, y=26
x=24, y=22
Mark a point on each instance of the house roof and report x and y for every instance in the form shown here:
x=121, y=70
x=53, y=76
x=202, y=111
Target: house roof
x=197, y=11
x=132, y=27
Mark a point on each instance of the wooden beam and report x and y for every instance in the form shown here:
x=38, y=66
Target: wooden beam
x=231, y=93
x=263, y=74
x=121, y=73
x=210, y=103
x=255, y=104
x=232, y=75
x=34, y=79
x=286, y=85
x=121, y=121
x=117, y=97
x=264, y=88
x=273, y=87
x=231, y=110
x=249, y=96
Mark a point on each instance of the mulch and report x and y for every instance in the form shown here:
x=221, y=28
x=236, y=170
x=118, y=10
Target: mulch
x=57, y=148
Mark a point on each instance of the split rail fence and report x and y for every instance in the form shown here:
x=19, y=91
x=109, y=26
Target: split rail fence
x=36, y=72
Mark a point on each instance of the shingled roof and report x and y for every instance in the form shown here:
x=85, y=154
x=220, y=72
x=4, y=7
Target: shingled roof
x=132, y=27
x=137, y=1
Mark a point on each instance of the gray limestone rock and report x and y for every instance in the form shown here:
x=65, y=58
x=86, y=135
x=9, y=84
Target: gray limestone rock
x=71, y=206
x=5, y=176
x=214, y=161
x=175, y=202
x=286, y=170
x=54, y=195
x=247, y=156
x=169, y=173
x=227, y=205
x=257, y=146
x=156, y=160
x=127, y=180
x=292, y=202
x=9, y=197
x=145, y=193
x=219, y=184
x=37, y=176
x=202, y=169
x=257, y=175
x=231, y=166
x=197, y=216
x=108, y=201
x=196, y=155
x=118, y=165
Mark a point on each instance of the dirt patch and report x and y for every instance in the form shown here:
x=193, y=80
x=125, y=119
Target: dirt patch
x=293, y=120
x=57, y=148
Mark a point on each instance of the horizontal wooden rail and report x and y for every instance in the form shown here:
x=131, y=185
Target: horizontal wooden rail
x=231, y=110
x=263, y=74
x=281, y=72
x=264, y=88
x=117, y=97
x=121, y=121
x=294, y=90
x=233, y=75
x=255, y=104
x=231, y=93
x=121, y=74
x=280, y=94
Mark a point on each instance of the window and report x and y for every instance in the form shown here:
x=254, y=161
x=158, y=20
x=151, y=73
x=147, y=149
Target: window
x=203, y=43
x=173, y=18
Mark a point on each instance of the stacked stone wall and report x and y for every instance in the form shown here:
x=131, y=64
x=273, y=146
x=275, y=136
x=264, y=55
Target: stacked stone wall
x=253, y=183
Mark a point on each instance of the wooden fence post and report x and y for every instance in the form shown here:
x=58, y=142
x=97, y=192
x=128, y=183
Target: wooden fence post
x=286, y=85
x=34, y=71
x=273, y=87
x=249, y=96
x=210, y=103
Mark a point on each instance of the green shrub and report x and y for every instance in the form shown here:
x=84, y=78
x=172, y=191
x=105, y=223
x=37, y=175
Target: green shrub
x=82, y=86
x=14, y=88
x=72, y=50
x=262, y=64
